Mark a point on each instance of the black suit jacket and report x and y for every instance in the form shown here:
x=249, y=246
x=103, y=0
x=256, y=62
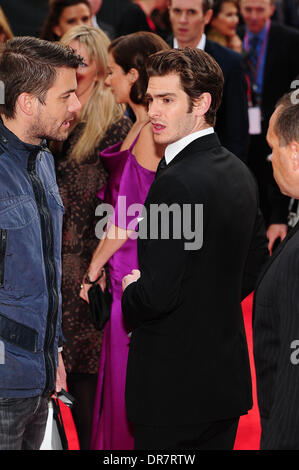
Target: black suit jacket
x=281, y=68
x=133, y=19
x=232, y=117
x=26, y=18
x=188, y=359
x=276, y=343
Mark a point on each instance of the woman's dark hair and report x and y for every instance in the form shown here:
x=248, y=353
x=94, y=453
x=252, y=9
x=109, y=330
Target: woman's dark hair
x=132, y=51
x=198, y=72
x=217, y=5
x=56, y=8
x=29, y=65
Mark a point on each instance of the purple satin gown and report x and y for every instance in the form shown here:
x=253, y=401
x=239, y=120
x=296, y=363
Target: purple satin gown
x=111, y=429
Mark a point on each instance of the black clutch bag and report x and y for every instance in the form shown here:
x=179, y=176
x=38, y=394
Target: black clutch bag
x=100, y=304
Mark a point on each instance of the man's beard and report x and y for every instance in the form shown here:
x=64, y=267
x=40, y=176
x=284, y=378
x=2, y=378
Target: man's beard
x=52, y=131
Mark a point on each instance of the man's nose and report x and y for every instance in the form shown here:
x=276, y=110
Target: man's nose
x=153, y=110
x=183, y=18
x=75, y=104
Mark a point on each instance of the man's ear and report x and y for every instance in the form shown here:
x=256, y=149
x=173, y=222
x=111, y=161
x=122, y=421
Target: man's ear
x=272, y=7
x=294, y=152
x=27, y=103
x=208, y=16
x=202, y=104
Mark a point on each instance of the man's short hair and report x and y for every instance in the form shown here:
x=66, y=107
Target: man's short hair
x=29, y=65
x=198, y=71
x=206, y=5
x=286, y=125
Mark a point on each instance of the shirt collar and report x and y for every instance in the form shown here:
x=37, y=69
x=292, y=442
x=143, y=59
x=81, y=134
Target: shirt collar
x=261, y=34
x=201, y=45
x=172, y=150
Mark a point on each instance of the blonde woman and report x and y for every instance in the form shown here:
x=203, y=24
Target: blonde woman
x=80, y=176
x=131, y=165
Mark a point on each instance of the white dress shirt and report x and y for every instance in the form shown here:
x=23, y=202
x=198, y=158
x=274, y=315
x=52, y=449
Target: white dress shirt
x=201, y=45
x=176, y=147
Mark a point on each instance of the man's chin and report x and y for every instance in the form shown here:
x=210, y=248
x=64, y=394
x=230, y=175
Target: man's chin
x=255, y=28
x=59, y=137
x=159, y=139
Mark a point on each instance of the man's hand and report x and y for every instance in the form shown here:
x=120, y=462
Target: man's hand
x=274, y=232
x=60, y=375
x=127, y=280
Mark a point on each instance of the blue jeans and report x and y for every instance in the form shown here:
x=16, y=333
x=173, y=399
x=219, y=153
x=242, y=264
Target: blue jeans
x=22, y=423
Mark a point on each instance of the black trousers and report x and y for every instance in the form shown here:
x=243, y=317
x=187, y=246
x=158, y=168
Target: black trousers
x=83, y=388
x=218, y=435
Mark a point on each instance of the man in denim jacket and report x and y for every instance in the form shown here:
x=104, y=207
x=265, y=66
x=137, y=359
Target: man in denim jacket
x=39, y=82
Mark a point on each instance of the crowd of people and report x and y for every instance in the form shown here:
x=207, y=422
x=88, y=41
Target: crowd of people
x=169, y=103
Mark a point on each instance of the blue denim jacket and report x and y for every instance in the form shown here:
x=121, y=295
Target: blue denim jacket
x=31, y=213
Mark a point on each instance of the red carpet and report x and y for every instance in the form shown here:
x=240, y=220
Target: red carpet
x=248, y=435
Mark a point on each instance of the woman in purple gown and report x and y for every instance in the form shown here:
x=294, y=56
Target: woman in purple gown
x=131, y=166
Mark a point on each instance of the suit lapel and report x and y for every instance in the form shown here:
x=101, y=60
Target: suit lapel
x=202, y=144
x=208, y=47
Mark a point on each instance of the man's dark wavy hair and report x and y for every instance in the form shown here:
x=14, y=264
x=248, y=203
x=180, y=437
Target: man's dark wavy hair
x=198, y=72
x=29, y=65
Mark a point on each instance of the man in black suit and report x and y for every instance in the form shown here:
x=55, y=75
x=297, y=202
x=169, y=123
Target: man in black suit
x=188, y=19
x=276, y=301
x=97, y=19
x=188, y=375
x=26, y=18
x=273, y=63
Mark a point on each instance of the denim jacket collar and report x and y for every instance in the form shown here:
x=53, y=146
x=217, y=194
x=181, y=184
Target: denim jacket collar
x=16, y=147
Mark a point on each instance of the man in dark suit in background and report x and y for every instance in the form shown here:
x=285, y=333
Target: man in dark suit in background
x=188, y=19
x=27, y=17
x=276, y=301
x=272, y=64
x=188, y=375
x=97, y=19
